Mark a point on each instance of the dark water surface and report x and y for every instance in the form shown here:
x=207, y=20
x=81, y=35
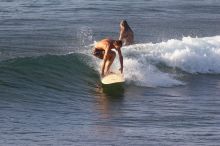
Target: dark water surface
x=50, y=91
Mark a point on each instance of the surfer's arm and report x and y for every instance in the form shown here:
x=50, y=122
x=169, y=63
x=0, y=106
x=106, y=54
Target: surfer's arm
x=121, y=60
x=104, y=61
x=121, y=35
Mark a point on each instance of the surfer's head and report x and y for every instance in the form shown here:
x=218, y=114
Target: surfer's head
x=117, y=44
x=124, y=24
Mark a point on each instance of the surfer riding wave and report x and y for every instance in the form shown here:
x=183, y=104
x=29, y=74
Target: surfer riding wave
x=103, y=50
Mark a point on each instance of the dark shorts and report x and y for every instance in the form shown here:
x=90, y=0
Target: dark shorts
x=99, y=53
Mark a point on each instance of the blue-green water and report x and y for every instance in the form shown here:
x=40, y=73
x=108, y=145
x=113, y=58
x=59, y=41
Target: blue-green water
x=50, y=91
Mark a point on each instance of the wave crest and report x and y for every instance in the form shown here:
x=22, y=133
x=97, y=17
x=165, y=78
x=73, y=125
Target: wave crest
x=191, y=55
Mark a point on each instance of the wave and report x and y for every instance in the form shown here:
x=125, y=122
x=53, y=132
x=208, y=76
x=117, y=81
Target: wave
x=192, y=55
x=64, y=72
x=152, y=65
x=162, y=64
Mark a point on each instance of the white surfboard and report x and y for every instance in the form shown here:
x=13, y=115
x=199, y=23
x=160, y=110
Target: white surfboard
x=112, y=78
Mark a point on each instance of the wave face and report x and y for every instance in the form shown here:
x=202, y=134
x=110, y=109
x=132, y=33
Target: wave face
x=61, y=73
x=159, y=64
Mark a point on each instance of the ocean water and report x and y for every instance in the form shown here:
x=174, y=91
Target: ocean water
x=50, y=90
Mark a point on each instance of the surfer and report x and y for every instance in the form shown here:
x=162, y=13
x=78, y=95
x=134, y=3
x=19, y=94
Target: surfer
x=103, y=50
x=126, y=33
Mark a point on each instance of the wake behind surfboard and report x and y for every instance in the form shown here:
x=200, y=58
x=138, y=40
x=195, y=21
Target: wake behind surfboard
x=113, y=78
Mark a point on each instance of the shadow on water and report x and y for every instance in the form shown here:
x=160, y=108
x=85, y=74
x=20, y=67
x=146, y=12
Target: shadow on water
x=114, y=91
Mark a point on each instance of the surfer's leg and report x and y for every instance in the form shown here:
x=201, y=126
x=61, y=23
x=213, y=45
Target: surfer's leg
x=110, y=59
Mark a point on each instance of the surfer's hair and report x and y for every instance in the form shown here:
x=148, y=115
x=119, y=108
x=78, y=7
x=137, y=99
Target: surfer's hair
x=125, y=25
x=118, y=43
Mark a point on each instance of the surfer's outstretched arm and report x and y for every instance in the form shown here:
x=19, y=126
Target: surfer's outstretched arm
x=121, y=60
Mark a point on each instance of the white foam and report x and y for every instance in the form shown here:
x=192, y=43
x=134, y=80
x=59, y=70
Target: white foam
x=145, y=74
x=192, y=55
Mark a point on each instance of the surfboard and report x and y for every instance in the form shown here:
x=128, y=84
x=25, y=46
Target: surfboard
x=113, y=78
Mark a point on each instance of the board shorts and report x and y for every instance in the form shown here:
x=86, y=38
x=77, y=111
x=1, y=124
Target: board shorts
x=98, y=53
